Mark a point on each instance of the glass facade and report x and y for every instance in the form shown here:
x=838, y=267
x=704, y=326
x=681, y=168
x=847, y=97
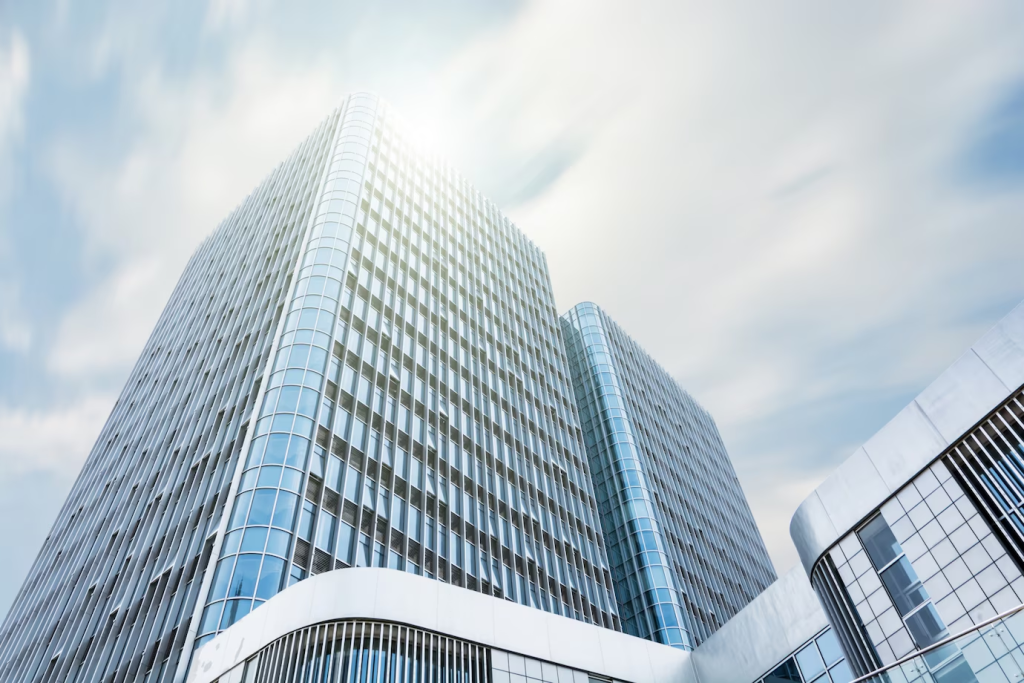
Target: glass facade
x=418, y=412
x=361, y=367
x=937, y=559
x=685, y=552
x=820, y=660
x=116, y=583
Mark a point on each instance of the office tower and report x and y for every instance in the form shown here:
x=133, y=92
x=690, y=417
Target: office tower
x=360, y=367
x=116, y=582
x=685, y=552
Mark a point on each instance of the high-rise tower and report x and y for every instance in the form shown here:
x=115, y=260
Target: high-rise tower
x=360, y=367
x=685, y=552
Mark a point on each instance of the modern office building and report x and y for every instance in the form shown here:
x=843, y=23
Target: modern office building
x=351, y=451
x=915, y=544
x=911, y=571
x=361, y=367
x=684, y=549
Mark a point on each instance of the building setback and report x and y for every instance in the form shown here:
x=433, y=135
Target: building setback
x=685, y=551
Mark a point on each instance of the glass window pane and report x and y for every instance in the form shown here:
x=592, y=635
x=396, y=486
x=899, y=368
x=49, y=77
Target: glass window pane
x=235, y=610
x=926, y=626
x=243, y=582
x=810, y=662
x=255, y=539
x=284, y=511
x=221, y=578
x=957, y=671
x=879, y=542
x=211, y=617
x=262, y=507
x=278, y=542
x=784, y=673
x=829, y=646
x=270, y=577
x=904, y=586
x=841, y=673
x=325, y=531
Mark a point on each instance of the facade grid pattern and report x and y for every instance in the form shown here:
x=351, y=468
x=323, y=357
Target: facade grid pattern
x=956, y=531
x=361, y=367
x=421, y=357
x=819, y=660
x=112, y=593
x=957, y=572
x=668, y=493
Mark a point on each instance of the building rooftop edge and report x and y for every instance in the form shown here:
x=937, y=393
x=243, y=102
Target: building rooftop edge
x=968, y=390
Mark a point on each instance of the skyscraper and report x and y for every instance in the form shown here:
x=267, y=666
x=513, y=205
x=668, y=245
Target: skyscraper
x=685, y=552
x=360, y=367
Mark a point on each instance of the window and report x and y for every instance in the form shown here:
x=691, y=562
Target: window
x=879, y=542
x=903, y=585
x=907, y=593
x=819, y=661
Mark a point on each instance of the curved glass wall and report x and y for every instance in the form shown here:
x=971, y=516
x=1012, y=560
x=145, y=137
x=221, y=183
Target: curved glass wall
x=648, y=597
x=270, y=520
x=706, y=529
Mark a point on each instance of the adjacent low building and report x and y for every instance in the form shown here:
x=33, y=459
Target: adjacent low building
x=918, y=536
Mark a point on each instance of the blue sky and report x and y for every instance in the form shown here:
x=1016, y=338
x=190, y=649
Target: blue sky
x=805, y=212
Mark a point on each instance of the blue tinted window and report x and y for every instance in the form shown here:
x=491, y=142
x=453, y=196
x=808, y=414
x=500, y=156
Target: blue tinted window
x=284, y=511
x=926, y=626
x=262, y=506
x=829, y=647
x=243, y=581
x=278, y=542
x=784, y=673
x=297, y=452
x=277, y=444
x=219, y=589
x=241, y=510
x=211, y=617
x=255, y=539
x=840, y=673
x=270, y=476
x=810, y=662
x=234, y=610
x=270, y=578
x=904, y=586
x=879, y=542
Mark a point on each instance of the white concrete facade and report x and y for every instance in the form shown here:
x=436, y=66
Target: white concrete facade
x=399, y=597
x=959, y=398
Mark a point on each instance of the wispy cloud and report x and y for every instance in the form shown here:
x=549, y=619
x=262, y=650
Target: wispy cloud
x=798, y=209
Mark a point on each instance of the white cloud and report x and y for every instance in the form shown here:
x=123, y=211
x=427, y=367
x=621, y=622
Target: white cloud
x=202, y=147
x=15, y=329
x=15, y=76
x=769, y=204
x=763, y=195
x=57, y=439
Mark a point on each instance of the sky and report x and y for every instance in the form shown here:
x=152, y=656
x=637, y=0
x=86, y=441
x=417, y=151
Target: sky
x=804, y=211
